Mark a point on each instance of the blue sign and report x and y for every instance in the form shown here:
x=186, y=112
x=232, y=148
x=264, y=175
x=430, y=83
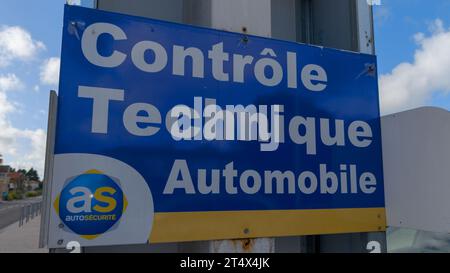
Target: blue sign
x=213, y=134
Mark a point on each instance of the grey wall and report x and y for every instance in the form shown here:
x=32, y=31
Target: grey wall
x=334, y=24
x=320, y=22
x=170, y=10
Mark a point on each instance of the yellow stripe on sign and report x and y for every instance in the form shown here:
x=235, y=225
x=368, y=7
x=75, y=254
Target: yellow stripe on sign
x=198, y=226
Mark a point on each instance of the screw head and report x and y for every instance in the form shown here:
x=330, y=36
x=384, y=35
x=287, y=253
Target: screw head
x=246, y=231
x=60, y=242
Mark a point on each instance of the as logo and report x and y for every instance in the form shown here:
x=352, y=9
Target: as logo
x=91, y=204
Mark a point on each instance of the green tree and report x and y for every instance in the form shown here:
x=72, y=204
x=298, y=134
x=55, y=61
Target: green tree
x=32, y=174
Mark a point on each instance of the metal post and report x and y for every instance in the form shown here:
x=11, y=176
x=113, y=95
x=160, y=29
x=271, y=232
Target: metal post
x=27, y=213
x=46, y=196
x=374, y=242
x=22, y=213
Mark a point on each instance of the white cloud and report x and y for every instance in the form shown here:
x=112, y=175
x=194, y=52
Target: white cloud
x=10, y=82
x=17, y=43
x=437, y=26
x=411, y=85
x=32, y=151
x=7, y=136
x=50, y=71
x=20, y=148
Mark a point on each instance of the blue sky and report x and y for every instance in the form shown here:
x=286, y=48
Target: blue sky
x=26, y=78
x=24, y=89
x=396, y=22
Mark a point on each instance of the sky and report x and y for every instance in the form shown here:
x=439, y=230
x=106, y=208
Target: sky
x=412, y=40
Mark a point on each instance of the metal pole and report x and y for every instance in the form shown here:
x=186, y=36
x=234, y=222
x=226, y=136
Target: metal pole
x=47, y=185
x=22, y=209
x=358, y=242
x=27, y=213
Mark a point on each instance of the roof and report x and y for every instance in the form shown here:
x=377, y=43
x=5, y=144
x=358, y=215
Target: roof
x=15, y=175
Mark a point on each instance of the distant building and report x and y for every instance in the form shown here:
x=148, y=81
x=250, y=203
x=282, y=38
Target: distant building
x=18, y=181
x=4, y=180
x=31, y=185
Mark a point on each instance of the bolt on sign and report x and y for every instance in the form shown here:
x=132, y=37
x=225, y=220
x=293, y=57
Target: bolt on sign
x=168, y=133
